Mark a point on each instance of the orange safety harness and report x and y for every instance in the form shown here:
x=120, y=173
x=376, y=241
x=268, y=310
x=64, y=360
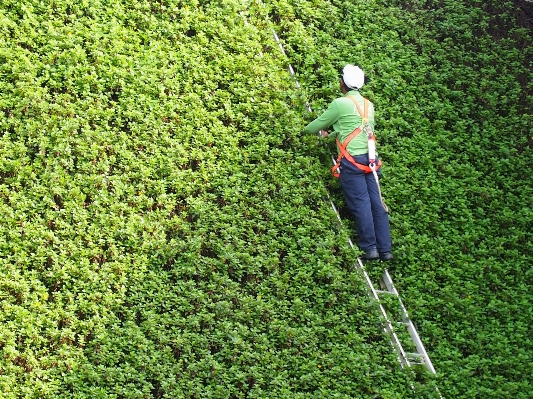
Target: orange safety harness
x=343, y=153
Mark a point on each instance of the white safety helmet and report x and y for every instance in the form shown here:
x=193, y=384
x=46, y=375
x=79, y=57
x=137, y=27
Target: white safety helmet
x=353, y=76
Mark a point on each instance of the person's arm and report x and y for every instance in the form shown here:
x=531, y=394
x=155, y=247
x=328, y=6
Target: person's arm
x=328, y=118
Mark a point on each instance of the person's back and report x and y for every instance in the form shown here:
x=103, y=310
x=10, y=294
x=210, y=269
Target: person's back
x=357, y=173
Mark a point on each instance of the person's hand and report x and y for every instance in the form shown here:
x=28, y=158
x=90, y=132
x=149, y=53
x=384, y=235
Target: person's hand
x=323, y=133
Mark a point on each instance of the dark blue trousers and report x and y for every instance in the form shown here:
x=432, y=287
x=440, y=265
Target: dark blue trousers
x=362, y=199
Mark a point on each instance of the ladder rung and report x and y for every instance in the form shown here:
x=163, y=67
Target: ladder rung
x=416, y=363
x=384, y=292
x=417, y=355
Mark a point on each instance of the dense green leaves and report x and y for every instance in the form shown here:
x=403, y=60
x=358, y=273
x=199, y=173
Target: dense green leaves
x=452, y=85
x=164, y=232
x=163, y=228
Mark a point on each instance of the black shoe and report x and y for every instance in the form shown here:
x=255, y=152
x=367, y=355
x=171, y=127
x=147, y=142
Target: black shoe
x=385, y=256
x=370, y=254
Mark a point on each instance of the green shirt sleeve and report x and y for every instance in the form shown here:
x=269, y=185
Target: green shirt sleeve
x=328, y=118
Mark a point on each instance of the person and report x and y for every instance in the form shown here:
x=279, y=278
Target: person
x=359, y=183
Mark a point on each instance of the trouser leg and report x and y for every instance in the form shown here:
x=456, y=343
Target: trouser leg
x=354, y=186
x=380, y=216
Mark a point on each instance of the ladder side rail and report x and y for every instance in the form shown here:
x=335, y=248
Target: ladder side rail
x=373, y=293
x=411, y=329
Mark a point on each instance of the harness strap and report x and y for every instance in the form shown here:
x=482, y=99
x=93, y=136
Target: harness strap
x=362, y=114
x=343, y=152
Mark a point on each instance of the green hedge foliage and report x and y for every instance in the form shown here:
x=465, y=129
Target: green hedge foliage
x=164, y=232
x=452, y=82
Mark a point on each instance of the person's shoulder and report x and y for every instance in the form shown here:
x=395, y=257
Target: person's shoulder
x=335, y=103
x=342, y=100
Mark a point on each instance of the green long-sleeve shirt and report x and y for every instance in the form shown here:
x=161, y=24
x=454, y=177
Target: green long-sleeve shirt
x=342, y=114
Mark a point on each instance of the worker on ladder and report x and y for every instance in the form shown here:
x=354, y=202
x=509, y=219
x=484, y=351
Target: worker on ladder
x=358, y=167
